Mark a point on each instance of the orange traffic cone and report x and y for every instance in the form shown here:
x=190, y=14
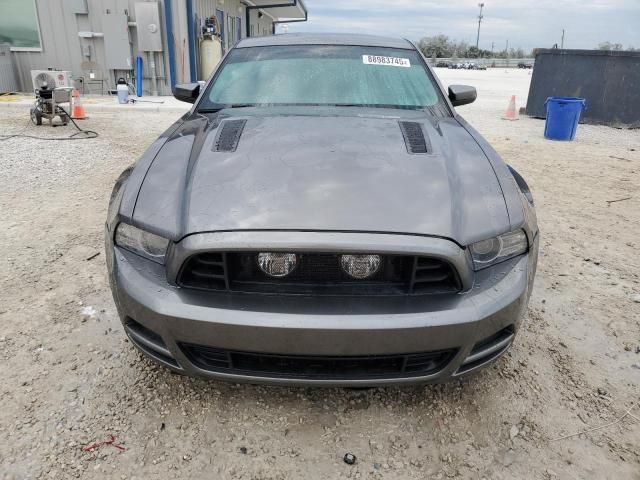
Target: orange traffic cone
x=511, y=113
x=77, y=110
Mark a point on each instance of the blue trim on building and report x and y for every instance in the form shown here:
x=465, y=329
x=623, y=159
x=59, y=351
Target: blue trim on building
x=172, y=54
x=192, y=41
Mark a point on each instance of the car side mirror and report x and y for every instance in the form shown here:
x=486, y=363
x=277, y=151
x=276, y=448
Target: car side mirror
x=187, y=92
x=462, y=94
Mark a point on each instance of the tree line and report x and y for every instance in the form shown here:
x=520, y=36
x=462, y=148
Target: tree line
x=616, y=47
x=441, y=46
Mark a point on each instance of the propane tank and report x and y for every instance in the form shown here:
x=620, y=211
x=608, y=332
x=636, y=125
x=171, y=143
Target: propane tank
x=210, y=55
x=123, y=90
x=210, y=47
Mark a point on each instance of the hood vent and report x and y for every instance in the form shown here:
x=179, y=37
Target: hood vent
x=229, y=135
x=414, y=137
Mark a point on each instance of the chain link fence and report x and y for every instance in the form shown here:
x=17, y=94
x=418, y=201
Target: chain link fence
x=486, y=62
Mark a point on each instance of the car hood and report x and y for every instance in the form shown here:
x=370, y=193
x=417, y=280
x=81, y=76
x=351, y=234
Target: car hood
x=329, y=172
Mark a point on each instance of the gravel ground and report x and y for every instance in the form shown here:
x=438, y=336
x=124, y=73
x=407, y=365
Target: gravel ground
x=70, y=378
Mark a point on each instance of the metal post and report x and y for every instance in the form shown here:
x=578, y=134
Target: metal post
x=152, y=72
x=481, y=5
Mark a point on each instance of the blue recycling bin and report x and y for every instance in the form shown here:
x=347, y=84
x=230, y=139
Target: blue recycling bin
x=563, y=115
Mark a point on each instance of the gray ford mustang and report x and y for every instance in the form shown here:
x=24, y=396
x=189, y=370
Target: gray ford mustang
x=322, y=216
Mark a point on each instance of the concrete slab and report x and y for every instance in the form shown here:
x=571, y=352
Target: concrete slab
x=99, y=103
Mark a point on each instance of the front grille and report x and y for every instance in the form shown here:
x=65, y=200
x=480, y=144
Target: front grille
x=317, y=367
x=318, y=274
x=206, y=271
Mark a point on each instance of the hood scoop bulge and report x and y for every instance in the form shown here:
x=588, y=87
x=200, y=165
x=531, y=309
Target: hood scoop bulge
x=229, y=133
x=414, y=138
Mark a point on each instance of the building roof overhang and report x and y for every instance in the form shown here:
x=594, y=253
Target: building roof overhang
x=281, y=11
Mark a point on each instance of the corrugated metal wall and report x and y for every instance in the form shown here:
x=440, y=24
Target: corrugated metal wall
x=8, y=81
x=63, y=49
x=206, y=8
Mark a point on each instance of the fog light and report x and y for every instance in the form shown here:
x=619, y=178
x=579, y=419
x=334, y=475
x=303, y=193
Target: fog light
x=277, y=264
x=360, y=266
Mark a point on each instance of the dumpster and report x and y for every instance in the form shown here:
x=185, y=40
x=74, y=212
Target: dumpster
x=607, y=79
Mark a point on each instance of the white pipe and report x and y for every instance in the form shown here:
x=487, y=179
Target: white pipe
x=90, y=34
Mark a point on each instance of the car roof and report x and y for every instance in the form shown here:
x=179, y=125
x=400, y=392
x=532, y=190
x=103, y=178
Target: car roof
x=325, y=39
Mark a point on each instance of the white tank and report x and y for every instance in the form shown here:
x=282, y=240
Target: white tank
x=210, y=55
x=123, y=91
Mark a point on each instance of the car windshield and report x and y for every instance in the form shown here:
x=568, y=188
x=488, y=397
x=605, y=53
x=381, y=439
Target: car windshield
x=323, y=75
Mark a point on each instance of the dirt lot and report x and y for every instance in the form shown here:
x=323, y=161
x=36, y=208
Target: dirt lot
x=70, y=378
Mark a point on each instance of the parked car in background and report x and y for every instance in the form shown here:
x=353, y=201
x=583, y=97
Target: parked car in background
x=524, y=65
x=443, y=64
x=334, y=223
x=478, y=66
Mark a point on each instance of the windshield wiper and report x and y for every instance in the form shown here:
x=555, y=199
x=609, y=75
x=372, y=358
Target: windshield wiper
x=217, y=108
x=364, y=105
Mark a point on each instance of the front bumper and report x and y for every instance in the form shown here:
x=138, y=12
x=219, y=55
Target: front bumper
x=475, y=326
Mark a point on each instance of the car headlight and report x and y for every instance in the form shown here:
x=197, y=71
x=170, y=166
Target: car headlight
x=498, y=249
x=143, y=243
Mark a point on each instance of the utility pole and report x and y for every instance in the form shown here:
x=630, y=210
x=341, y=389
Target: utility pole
x=493, y=44
x=562, y=42
x=506, y=53
x=480, y=17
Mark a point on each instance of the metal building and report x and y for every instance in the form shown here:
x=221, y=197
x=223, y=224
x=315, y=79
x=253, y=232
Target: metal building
x=100, y=41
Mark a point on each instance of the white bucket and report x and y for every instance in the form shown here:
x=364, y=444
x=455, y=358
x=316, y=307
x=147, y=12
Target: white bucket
x=123, y=93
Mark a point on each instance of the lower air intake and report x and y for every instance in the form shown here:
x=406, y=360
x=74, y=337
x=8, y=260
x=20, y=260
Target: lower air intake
x=317, y=367
x=488, y=350
x=149, y=342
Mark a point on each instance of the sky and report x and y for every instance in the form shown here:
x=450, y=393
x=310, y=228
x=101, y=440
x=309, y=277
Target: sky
x=525, y=23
